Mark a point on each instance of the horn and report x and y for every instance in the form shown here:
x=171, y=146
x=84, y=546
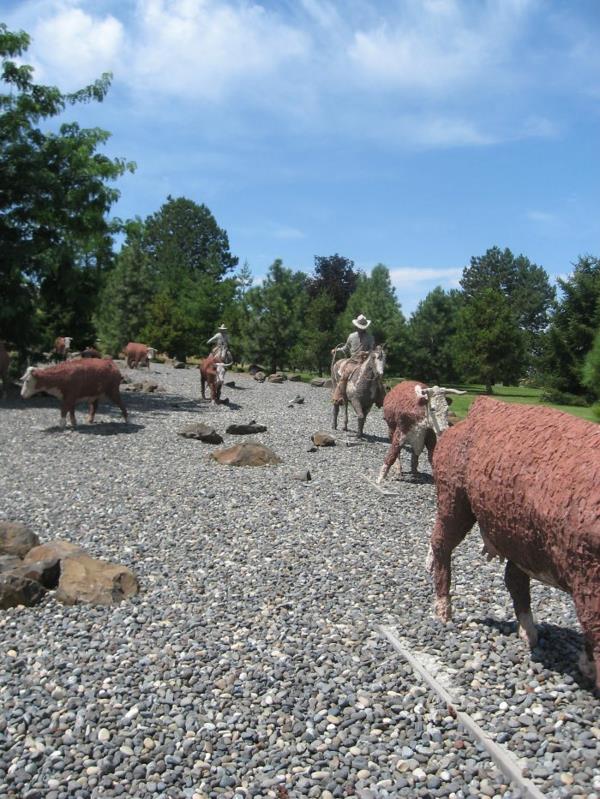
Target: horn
x=421, y=392
x=453, y=391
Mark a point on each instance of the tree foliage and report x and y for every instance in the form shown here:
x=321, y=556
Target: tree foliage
x=591, y=368
x=430, y=330
x=488, y=345
x=54, y=200
x=336, y=276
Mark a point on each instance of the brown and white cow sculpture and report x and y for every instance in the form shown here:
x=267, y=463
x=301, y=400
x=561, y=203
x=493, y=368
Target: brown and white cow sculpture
x=416, y=415
x=212, y=372
x=62, y=345
x=530, y=477
x=138, y=355
x=85, y=380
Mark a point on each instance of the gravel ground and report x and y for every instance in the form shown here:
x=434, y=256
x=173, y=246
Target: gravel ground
x=251, y=663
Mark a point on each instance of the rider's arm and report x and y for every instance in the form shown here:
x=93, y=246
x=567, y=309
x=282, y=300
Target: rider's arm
x=213, y=339
x=345, y=347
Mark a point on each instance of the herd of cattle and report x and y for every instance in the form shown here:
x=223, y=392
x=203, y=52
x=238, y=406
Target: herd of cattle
x=529, y=476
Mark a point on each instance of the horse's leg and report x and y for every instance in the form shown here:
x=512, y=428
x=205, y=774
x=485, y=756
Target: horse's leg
x=397, y=439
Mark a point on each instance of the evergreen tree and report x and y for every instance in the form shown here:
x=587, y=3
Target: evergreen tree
x=430, y=331
x=591, y=368
x=488, y=344
x=574, y=325
x=336, y=276
x=313, y=348
x=276, y=316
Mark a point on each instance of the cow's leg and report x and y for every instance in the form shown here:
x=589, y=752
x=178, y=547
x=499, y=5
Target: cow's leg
x=115, y=397
x=414, y=461
x=517, y=583
x=586, y=604
x=430, y=442
x=93, y=407
x=453, y=521
x=345, y=428
x=336, y=410
x=397, y=439
x=203, y=386
x=63, y=415
x=72, y=416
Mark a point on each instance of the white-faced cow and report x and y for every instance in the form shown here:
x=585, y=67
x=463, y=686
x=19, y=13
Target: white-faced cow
x=530, y=477
x=416, y=415
x=212, y=372
x=138, y=355
x=84, y=380
x=62, y=345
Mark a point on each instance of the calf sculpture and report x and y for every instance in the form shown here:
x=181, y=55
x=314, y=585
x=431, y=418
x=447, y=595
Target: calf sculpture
x=530, y=477
x=138, y=355
x=416, y=415
x=85, y=380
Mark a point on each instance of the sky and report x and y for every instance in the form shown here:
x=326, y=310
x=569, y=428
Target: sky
x=413, y=133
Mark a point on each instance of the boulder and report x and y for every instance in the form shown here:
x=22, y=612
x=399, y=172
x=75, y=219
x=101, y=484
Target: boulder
x=53, y=550
x=16, y=539
x=318, y=382
x=298, y=400
x=9, y=563
x=321, y=439
x=260, y=377
x=254, y=368
x=149, y=386
x=295, y=378
x=45, y=572
x=201, y=432
x=328, y=383
x=246, y=454
x=17, y=590
x=304, y=476
x=93, y=581
x=179, y=365
x=229, y=384
x=277, y=377
x=246, y=429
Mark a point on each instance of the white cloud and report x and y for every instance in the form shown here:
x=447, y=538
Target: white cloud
x=72, y=48
x=207, y=48
x=408, y=276
x=543, y=217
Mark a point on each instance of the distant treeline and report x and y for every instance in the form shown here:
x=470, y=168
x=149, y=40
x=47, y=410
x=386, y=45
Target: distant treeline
x=174, y=279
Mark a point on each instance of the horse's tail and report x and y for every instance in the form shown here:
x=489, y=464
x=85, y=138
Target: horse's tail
x=332, y=368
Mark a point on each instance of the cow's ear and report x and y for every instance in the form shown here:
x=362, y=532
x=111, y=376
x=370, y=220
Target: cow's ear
x=449, y=400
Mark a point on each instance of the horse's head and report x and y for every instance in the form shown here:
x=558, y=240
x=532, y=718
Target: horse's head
x=378, y=357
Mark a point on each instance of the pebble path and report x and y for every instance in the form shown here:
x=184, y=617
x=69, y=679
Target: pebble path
x=252, y=663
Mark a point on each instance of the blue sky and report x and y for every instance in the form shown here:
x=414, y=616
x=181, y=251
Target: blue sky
x=414, y=133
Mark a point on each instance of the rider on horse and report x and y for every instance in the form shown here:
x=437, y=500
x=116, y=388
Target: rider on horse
x=358, y=345
x=221, y=350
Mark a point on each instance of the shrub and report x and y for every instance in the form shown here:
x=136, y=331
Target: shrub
x=556, y=397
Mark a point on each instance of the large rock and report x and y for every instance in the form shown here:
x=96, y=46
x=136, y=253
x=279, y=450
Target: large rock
x=295, y=378
x=318, y=382
x=246, y=454
x=53, y=550
x=17, y=590
x=97, y=582
x=321, y=439
x=16, y=539
x=201, y=432
x=246, y=429
x=277, y=377
x=46, y=572
x=9, y=563
x=260, y=377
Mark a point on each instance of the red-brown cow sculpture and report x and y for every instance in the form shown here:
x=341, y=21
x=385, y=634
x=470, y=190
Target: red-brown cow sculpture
x=90, y=352
x=530, y=477
x=76, y=381
x=416, y=415
x=138, y=355
x=4, y=364
x=212, y=372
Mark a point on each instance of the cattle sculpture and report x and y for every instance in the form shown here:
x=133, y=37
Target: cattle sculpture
x=138, y=355
x=416, y=415
x=62, y=345
x=76, y=381
x=212, y=373
x=530, y=477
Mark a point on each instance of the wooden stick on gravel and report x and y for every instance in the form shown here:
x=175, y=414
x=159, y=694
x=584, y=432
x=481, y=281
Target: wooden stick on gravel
x=502, y=757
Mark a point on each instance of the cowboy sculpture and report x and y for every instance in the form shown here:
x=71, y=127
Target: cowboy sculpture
x=358, y=345
x=220, y=350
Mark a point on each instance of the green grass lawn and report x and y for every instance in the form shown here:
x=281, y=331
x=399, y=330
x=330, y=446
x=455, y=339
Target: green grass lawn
x=528, y=396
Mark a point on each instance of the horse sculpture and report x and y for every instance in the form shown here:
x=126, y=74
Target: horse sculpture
x=364, y=388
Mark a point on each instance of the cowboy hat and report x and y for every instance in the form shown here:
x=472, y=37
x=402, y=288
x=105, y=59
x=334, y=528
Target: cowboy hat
x=361, y=322
x=223, y=327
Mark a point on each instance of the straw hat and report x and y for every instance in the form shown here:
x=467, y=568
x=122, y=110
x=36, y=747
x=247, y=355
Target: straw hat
x=361, y=322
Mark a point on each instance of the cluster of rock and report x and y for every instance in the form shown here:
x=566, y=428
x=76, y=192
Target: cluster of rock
x=144, y=386
x=28, y=570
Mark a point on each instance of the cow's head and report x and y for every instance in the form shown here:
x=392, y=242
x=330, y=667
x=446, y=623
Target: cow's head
x=67, y=340
x=151, y=353
x=437, y=403
x=29, y=383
